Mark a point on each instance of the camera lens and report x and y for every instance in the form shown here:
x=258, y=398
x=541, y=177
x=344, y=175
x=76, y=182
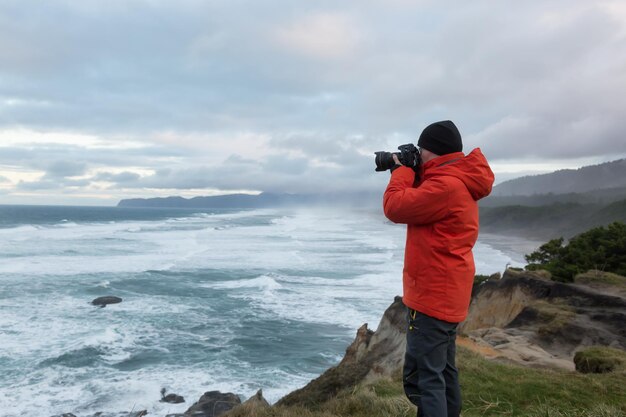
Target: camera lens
x=383, y=160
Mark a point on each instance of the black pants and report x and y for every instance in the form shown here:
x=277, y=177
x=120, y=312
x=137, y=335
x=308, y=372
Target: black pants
x=431, y=379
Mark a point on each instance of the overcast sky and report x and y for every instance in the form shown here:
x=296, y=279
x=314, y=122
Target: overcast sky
x=107, y=100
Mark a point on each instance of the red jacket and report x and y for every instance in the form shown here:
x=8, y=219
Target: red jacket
x=442, y=217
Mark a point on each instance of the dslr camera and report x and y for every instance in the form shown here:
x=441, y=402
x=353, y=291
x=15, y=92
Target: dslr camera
x=409, y=156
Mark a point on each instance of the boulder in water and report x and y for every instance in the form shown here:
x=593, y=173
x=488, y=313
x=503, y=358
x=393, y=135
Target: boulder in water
x=103, y=301
x=171, y=398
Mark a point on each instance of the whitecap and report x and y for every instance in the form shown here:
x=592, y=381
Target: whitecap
x=264, y=282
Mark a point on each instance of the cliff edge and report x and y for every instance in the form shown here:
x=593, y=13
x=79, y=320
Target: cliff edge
x=522, y=317
x=533, y=321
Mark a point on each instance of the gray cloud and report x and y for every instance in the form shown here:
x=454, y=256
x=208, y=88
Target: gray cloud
x=326, y=83
x=278, y=174
x=38, y=185
x=48, y=183
x=61, y=169
x=68, y=160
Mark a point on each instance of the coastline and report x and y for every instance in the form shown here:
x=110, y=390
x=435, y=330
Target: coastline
x=513, y=246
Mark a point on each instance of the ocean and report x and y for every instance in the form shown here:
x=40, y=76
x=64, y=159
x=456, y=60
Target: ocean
x=228, y=300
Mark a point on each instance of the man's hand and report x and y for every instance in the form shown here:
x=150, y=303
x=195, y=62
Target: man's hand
x=397, y=161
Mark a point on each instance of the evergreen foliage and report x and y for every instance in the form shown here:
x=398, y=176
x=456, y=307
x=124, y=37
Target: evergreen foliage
x=600, y=248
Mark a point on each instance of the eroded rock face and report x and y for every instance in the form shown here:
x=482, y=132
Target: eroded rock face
x=537, y=322
x=495, y=306
x=516, y=345
x=370, y=356
x=522, y=317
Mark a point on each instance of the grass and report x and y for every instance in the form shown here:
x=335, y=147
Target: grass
x=600, y=359
x=554, y=315
x=595, y=277
x=489, y=389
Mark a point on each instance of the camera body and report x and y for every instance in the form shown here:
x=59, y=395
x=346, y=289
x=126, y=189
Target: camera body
x=409, y=156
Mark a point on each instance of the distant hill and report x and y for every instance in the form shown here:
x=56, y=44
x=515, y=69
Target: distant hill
x=550, y=221
x=601, y=196
x=263, y=200
x=586, y=179
x=219, y=201
x=563, y=203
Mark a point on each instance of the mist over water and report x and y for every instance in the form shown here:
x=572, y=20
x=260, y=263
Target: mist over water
x=213, y=300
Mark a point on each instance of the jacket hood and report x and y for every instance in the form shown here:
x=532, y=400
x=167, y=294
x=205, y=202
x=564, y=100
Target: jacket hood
x=472, y=169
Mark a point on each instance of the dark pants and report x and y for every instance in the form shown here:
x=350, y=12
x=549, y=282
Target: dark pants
x=431, y=380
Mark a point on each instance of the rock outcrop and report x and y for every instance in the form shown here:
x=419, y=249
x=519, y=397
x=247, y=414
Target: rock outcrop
x=372, y=355
x=537, y=322
x=171, y=398
x=522, y=317
x=254, y=405
x=213, y=404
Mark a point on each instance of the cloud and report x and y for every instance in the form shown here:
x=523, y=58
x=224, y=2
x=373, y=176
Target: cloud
x=534, y=137
x=62, y=169
x=38, y=185
x=267, y=96
x=121, y=178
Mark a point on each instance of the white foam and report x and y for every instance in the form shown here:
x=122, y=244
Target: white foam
x=15, y=232
x=264, y=282
x=67, y=223
x=489, y=260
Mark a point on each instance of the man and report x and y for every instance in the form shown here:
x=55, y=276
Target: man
x=441, y=213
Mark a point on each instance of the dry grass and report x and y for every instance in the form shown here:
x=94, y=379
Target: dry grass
x=602, y=280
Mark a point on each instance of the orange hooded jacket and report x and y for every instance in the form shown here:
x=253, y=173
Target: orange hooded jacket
x=441, y=214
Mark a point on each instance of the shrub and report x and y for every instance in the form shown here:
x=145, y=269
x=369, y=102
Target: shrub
x=599, y=248
x=599, y=360
x=479, y=279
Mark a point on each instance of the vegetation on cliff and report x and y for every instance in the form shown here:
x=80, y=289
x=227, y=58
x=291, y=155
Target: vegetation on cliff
x=601, y=248
x=559, y=218
x=600, y=359
x=489, y=389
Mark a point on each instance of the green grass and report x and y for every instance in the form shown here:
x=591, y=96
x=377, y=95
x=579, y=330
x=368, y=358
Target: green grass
x=600, y=359
x=489, y=389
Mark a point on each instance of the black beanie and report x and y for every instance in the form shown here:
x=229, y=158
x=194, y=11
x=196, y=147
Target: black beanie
x=441, y=138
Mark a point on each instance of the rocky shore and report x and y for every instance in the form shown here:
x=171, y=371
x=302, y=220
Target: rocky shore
x=521, y=317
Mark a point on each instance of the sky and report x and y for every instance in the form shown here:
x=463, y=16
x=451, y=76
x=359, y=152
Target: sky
x=101, y=101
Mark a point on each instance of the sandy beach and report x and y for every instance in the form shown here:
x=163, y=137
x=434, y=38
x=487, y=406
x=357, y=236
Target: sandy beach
x=513, y=246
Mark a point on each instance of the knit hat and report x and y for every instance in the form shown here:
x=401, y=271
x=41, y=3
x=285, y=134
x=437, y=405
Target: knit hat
x=441, y=138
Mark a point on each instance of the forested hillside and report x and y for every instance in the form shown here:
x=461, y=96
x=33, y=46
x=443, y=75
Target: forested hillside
x=589, y=178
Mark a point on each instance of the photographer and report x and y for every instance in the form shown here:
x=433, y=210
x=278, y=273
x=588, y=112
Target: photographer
x=441, y=213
